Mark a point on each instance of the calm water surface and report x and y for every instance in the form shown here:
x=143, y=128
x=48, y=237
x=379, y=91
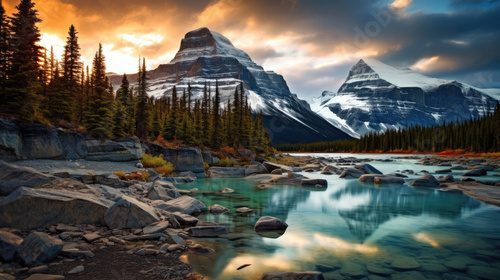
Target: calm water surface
x=353, y=230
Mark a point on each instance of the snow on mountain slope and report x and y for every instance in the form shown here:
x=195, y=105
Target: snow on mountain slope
x=205, y=57
x=378, y=97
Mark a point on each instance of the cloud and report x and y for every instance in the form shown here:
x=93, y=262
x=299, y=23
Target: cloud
x=400, y=4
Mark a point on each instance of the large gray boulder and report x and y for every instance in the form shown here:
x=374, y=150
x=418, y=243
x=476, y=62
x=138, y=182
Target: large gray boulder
x=367, y=169
x=217, y=171
x=13, y=177
x=119, y=150
x=9, y=242
x=73, y=145
x=129, y=212
x=40, y=142
x=39, y=247
x=28, y=208
x=306, y=275
x=10, y=140
x=184, y=204
x=351, y=173
x=315, y=183
x=268, y=223
x=161, y=190
x=184, y=159
x=255, y=168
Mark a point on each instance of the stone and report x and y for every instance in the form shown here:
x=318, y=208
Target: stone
x=306, y=275
x=13, y=177
x=277, y=171
x=218, y=171
x=10, y=139
x=183, y=159
x=155, y=227
x=426, y=181
x=476, y=172
x=379, y=269
x=218, y=209
x=129, y=212
x=378, y=179
x=329, y=170
x=9, y=242
x=243, y=210
x=38, y=276
x=405, y=263
x=314, y=182
x=40, y=142
x=175, y=238
x=28, y=208
x=273, y=166
x=161, y=190
x=351, y=173
x=443, y=171
x=268, y=223
x=5, y=276
x=446, y=179
x=77, y=254
x=227, y=190
x=77, y=269
x=174, y=247
x=185, y=219
x=38, y=269
x=207, y=231
x=184, y=204
x=255, y=168
x=367, y=169
x=91, y=236
x=120, y=150
x=202, y=250
x=39, y=248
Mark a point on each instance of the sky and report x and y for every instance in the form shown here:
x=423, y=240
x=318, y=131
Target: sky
x=312, y=43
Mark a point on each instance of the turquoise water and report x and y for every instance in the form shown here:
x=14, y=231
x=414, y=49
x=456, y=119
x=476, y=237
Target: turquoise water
x=353, y=230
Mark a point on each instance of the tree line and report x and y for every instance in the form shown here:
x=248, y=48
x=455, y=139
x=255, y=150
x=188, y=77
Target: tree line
x=475, y=135
x=35, y=86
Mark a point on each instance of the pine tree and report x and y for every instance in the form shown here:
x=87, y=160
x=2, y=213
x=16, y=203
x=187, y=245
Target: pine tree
x=216, y=133
x=142, y=116
x=5, y=53
x=71, y=70
x=23, y=83
x=100, y=110
x=172, y=118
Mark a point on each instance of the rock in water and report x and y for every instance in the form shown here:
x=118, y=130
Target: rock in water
x=217, y=171
x=9, y=242
x=39, y=247
x=368, y=169
x=426, y=181
x=128, y=212
x=184, y=204
x=268, y=223
x=314, y=182
x=351, y=173
x=218, y=209
x=13, y=177
x=306, y=275
x=476, y=172
x=28, y=208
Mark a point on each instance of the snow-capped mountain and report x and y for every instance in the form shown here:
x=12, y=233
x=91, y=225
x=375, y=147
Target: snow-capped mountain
x=378, y=97
x=207, y=56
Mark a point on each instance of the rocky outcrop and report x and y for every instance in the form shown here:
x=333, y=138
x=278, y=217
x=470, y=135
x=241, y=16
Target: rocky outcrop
x=38, y=248
x=161, y=190
x=255, y=168
x=184, y=159
x=28, y=208
x=119, y=150
x=217, y=171
x=13, y=177
x=184, y=204
x=129, y=212
x=10, y=140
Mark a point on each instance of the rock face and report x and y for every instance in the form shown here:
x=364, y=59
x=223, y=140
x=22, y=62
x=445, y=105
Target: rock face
x=13, y=177
x=28, y=208
x=268, y=223
x=377, y=97
x=9, y=243
x=205, y=55
x=183, y=159
x=184, y=204
x=118, y=150
x=10, y=139
x=217, y=171
x=128, y=212
x=315, y=182
x=38, y=248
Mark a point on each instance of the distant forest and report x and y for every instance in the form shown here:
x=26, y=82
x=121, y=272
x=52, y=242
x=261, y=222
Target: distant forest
x=476, y=135
x=35, y=86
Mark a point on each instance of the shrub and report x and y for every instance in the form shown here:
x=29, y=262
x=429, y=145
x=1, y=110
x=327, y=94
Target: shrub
x=150, y=161
x=166, y=169
x=138, y=175
x=227, y=162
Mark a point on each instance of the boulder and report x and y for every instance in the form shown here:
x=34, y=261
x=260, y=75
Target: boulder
x=207, y=231
x=306, y=275
x=10, y=140
x=367, y=169
x=184, y=159
x=255, y=168
x=351, y=173
x=73, y=145
x=217, y=171
x=40, y=142
x=476, y=172
x=314, y=182
x=268, y=223
x=426, y=181
x=155, y=227
x=28, y=208
x=161, y=190
x=243, y=210
x=272, y=166
x=185, y=219
x=277, y=171
x=218, y=209
x=184, y=204
x=119, y=150
x=446, y=179
x=38, y=248
x=381, y=179
x=13, y=177
x=129, y=212
x=329, y=170
x=5, y=276
x=40, y=276
x=9, y=242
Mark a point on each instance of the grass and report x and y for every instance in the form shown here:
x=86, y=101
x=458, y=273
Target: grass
x=227, y=162
x=158, y=163
x=166, y=169
x=138, y=175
